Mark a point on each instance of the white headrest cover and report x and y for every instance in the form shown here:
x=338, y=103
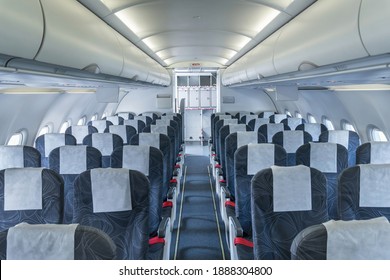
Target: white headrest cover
x=103, y=142
x=246, y=137
x=41, y=242
x=100, y=125
x=272, y=129
x=23, y=189
x=380, y=152
x=260, y=156
x=163, y=129
x=293, y=122
x=292, y=188
x=314, y=129
x=119, y=130
x=292, y=140
x=79, y=132
x=110, y=190
x=339, y=136
x=52, y=141
x=374, y=185
x=133, y=123
x=113, y=119
x=260, y=122
x=11, y=156
x=73, y=159
x=358, y=239
x=136, y=158
x=150, y=139
x=323, y=156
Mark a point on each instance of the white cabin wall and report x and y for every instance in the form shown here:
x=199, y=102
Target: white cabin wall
x=144, y=100
x=251, y=100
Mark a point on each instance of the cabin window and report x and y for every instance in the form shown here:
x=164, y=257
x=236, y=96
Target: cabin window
x=328, y=123
x=104, y=115
x=64, y=126
x=298, y=115
x=17, y=138
x=377, y=135
x=94, y=117
x=347, y=126
x=44, y=130
x=287, y=112
x=311, y=118
x=82, y=121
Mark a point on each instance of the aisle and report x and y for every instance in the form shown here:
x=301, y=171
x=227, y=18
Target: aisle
x=199, y=232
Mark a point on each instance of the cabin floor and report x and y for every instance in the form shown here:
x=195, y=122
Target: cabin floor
x=199, y=230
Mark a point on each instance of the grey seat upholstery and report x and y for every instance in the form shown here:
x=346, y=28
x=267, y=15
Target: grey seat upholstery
x=19, y=156
x=106, y=143
x=373, y=152
x=80, y=131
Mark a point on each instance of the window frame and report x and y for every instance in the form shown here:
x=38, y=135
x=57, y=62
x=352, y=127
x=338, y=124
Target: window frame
x=371, y=134
x=311, y=118
x=328, y=123
x=23, y=138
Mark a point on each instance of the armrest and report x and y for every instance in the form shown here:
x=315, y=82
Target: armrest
x=163, y=227
x=225, y=190
x=171, y=192
x=238, y=231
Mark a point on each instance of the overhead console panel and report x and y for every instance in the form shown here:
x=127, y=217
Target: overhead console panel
x=328, y=32
x=66, y=34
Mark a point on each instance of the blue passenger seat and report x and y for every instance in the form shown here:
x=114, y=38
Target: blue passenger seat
x=19, y=156
x=80, y=131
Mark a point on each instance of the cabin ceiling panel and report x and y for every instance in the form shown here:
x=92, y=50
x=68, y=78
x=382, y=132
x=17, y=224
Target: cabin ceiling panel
x=205, y=30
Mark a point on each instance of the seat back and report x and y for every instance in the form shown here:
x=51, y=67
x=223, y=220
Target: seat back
x=69, y=162
x=161, y=142
x=314, y=129
x=105, y=143
x=248, y=117
x=146, y=119
x=270, y=129
x=291, y=140
x=126, y=115
x=80, y=131
x=285, y=200
x=266, y=114
x=217, y=128
x=223, y=133
x=41, y=242
x=364, y=192
x=239, y=115
x=116, y=201
x=292, y=123
x=153, y=115
x=124, y=131
x=49, y=141
x=329, y=158
x=170, y=132
x=256, y=123
x=277, y=118
x=248, y=160
x=373, y=152
x=115, y=120
x=150, y=162
x=234, y=141
x=32, y=195
x=19, y=156
x=349, y=139
x=344, y=240
x=100, y=125
x=214, y=119
x=138, y=125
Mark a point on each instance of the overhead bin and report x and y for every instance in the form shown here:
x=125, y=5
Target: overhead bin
x=326, y=33
x=21, y=28
x=374, y=24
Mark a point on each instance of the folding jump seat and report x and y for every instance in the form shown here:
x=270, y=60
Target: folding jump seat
x=266, y=114
x=146, y=119
x=124, y=131
x=314, y=129
x=150, y=162
x=49, y=141
x=285, y=200
x=247, y=118
x=116, y=201
x=33, y=195
x=373, y=152
x=329, y=158
x=248, y=160
x=19, y=156
x=126, y=115
x=105, y=143
x=69, y=162
x=291, y=140
x=364, y=192
x=115, y=120
x=292, y=123
x=100, y=125
x=256, y=123
x=80, y=131
x=55, y=242
x=277, y=118
x=270, y=129
x=344, y=240
x=349, y=139
x=138, y=125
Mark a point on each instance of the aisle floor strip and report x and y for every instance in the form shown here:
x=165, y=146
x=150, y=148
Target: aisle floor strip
x=216, y=215
x=180, y=213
